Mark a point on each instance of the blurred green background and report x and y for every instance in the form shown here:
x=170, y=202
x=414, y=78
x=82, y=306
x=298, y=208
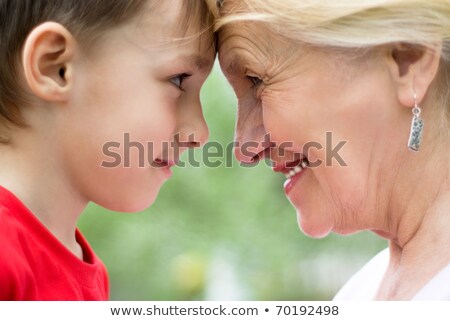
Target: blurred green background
x=221, y=233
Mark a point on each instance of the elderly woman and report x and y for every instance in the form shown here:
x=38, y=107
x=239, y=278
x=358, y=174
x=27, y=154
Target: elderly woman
x=371, y=77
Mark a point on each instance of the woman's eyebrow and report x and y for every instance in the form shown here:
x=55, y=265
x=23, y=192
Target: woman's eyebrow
x=235, y=64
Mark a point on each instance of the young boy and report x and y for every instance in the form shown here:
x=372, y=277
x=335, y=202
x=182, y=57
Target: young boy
x=92, y=94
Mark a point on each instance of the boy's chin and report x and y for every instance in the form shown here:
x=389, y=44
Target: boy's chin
x=132, y=204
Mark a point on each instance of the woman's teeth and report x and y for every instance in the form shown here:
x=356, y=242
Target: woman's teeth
x=297, y=169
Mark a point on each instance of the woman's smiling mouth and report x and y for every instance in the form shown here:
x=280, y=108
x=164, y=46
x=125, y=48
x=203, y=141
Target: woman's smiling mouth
x=293, y=171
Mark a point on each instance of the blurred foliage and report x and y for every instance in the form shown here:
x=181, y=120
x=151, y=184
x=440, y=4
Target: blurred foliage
x=221, y=233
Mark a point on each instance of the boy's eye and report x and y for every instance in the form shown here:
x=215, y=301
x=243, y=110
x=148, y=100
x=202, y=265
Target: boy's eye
x=178, y=80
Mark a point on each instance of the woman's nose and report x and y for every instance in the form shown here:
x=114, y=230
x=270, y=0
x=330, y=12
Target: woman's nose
x=251, y=139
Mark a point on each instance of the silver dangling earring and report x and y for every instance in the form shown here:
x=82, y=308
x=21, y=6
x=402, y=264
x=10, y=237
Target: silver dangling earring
x=415, y=137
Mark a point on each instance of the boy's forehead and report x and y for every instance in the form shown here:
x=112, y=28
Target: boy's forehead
x=158, y=19
x=158, y=28
x=175, y=19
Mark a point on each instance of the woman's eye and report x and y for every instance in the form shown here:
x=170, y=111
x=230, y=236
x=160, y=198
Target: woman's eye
x=256, y=81
x=178, y=80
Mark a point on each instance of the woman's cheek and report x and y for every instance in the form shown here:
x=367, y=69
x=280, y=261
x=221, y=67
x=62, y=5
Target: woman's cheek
x=279, y=121
x=240, y=88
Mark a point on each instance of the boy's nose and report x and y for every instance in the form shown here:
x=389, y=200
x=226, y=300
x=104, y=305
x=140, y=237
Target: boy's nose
x=192, y=130
x=193, y=135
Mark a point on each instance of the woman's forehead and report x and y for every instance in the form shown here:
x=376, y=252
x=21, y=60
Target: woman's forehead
x=256, y=39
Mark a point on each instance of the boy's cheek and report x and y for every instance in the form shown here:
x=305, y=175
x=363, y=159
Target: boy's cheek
x=124, y=189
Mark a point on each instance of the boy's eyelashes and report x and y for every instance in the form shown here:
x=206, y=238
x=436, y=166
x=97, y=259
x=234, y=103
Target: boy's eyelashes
x=179, y=79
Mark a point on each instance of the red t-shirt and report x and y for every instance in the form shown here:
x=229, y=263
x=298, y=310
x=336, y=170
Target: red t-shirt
x=34, y=265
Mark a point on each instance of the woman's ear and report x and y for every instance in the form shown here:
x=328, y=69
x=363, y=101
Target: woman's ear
x=47, y=60
x=413, y=69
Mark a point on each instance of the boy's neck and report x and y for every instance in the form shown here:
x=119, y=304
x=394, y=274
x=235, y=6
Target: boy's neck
x=33, y=171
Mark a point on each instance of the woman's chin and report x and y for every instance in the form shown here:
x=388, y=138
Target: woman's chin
x=313, y=227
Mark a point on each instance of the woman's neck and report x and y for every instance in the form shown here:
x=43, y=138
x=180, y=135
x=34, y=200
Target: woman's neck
x=420, y=249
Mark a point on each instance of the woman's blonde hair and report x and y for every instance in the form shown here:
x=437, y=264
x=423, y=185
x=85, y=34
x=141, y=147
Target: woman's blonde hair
x=356, y=24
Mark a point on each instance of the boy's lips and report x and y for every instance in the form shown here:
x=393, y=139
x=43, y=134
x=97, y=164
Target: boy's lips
x=162, y=163
x=165, y=166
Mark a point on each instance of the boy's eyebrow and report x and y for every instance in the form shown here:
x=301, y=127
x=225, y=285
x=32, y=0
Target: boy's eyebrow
x=198, y=62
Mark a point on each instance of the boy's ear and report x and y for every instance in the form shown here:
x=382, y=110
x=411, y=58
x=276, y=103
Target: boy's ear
x=413, y=69
x=47, y=59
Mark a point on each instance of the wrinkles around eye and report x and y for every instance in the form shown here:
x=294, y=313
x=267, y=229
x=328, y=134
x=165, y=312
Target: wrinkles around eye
x=256, y=81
